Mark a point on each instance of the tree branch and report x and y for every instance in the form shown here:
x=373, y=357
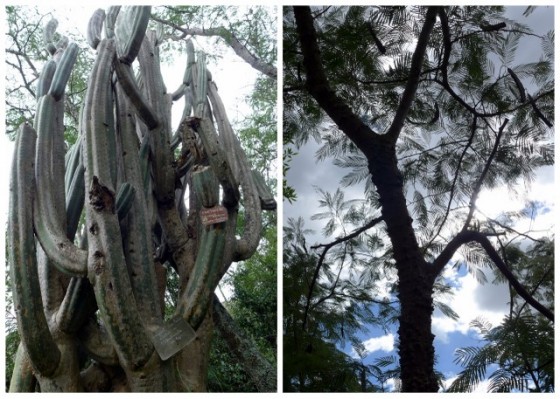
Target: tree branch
x=318, y=85
x=413, y=76
x=467, y=236
x=231, y=40
x=480, y=180
x=326, y=248
x=453, y=185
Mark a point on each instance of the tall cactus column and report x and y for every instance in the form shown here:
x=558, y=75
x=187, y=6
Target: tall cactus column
x=89, y=297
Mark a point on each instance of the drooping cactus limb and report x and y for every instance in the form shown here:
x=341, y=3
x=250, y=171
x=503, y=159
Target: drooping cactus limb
x=267, y=199
x=34, y=330
x=50, y=212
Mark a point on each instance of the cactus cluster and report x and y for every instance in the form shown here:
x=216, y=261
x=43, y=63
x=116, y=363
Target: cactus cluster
x=99, y=289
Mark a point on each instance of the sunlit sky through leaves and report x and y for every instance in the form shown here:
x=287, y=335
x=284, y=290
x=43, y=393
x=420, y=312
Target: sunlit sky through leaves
x=471, y=299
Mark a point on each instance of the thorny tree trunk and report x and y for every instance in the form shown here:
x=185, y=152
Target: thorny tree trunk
x=415, y=286
x=416, y=349
x=416, y=276
x=100, y=303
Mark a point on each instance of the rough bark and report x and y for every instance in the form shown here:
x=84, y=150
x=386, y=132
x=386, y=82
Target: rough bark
x=415, y=285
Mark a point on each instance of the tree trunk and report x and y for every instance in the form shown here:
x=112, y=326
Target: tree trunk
x=416, y=349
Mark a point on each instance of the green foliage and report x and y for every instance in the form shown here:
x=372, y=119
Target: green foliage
x=522, y=346
x=225, y=374
x=321, y=316
x=450, y=147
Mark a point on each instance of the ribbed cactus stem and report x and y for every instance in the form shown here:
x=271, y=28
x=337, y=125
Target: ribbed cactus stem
x=125, y=198
x=45, y=79
x=138, y=240
x=162, y=172
x=205, y=185
x=63, y=71
x=204, y=278
x=110, y=280
x=130, y=30
x=227, y=136
x=218, y=161
x=201, y=87
x=95, y=27
x=143, y=109
x=23, y=379
x=110, y=21
x=49, y=30
x=75, y=195
x=50, y=212
x=36, y=337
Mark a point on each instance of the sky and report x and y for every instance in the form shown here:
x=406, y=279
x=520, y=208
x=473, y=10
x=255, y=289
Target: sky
x=471, y=299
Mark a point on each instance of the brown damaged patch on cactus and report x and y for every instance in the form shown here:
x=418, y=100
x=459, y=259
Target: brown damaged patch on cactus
x=101, y=197
x=98, y=262
x=93, y=229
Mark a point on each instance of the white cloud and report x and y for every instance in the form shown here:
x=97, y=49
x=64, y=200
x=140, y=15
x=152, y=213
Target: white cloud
x=385, y=343
x=482, y=387
x=471, y=300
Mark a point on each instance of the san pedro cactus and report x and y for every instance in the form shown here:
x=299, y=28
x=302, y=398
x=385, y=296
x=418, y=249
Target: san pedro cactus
x=95, y=295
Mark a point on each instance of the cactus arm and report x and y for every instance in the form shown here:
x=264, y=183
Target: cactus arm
x=78, y=305
x=49, y=30
x=110, y=21
x=23, y=379
x=201, y=86
x=41, y=348
x=106, y=269
x=50, y=214
x=72, y=158
x=125, y=199
x=143, y=109
x=159, y=138
x=227, y=136
x=268, y=202
x=130, y=30
x=63, y=71
x=138, y=242
x=177, y=94
x=218, y=161
x=203, y=281
x=95, y=26
x=198, y=294
x=45, y=79
x=248, y=242
x=75, y=201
